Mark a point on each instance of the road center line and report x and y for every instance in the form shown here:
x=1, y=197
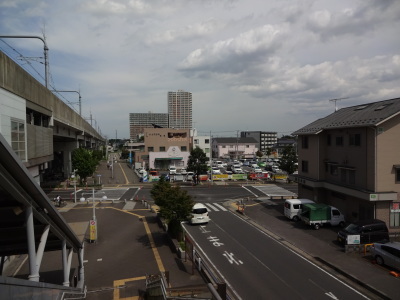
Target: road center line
x=123, y=172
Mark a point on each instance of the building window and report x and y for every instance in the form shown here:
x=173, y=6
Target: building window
x=304, y=166
x=18, y=138
x=328, y=139
x=355, y=139
x=162, y=149
x=343, y=175
x=224, y=146
x=183, y=148
x=339, y=141
x=352, y=177
x=304, y=142
x=206, y=141
x=196, y=141
x=150, y=149
x=395, y=214
x=334, y=170
x=206, y=150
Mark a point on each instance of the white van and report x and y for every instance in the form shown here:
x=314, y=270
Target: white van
x=199, y=214
x=293, y=208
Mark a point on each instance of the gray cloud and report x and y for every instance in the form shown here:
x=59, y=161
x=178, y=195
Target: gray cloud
x=273, y=64
x=236, y=54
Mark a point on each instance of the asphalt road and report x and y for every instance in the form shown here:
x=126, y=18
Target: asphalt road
x=256, y=266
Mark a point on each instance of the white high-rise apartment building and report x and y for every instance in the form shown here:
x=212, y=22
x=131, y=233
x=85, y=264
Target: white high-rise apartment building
x=180, y=109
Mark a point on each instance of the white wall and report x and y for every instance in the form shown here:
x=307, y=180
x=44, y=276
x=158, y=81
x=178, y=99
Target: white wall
x=11, y=107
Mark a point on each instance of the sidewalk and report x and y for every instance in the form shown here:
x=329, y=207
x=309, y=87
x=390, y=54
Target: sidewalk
x=353, y=266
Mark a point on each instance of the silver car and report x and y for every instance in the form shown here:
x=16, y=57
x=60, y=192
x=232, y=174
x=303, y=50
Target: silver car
x=387, y=254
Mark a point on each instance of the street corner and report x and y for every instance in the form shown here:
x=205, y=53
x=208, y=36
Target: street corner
x=129, y=288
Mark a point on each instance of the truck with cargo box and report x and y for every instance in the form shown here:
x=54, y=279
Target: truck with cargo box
x=318, y=214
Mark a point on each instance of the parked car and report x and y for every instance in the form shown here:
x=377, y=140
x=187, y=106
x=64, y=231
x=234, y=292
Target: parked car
x=370, y=231
x=237, y=170
x=262, y=164
x=216, y=170
x=141, y=170
x=236, y=165
x=183, y=171
x=257, y=169
x=386, y=254
x=172, y=170
x=189, y=176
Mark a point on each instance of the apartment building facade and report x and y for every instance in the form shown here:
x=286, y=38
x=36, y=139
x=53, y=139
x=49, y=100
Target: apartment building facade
x=265, y=139
x=350, y=160
x=201, y=141
x=180, y=109
x=139, y=121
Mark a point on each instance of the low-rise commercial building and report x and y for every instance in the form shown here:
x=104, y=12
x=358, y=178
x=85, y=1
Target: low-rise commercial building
x=165, y=147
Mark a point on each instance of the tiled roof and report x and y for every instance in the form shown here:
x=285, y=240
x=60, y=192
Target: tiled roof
x=369, y=114
x=233, y=140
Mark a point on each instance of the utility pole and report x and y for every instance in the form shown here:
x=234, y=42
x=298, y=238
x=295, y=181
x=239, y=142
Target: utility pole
x=335, y=100
x=237, y=145
x=80, y=98
x=46, y=50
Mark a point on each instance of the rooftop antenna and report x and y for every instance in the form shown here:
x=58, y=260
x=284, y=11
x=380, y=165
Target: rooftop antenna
x=335, y=100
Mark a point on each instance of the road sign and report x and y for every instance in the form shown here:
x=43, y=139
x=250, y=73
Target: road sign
x=93, y=230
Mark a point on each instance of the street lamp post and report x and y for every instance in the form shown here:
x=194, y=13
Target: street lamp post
x=73, y=176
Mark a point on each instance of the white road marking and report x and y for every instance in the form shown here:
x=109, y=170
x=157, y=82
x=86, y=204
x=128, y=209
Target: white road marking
x=212, y=206
x=220, y=207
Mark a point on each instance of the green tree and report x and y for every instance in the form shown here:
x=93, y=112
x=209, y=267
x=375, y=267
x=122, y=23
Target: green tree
x=197, y=162
x=175, y=204
x=124, y=154
x=85, y=162
x=97, y=155
x=288, y=160
x=268, y=152
x=259, y=154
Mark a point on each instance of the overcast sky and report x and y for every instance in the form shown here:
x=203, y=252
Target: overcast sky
x=250, y=65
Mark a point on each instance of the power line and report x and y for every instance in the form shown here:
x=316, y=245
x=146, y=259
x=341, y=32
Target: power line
x=27, y=61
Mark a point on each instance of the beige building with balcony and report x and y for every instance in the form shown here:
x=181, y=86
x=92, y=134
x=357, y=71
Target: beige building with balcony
x=350, y=159
x=165, y=147
x=234, y=147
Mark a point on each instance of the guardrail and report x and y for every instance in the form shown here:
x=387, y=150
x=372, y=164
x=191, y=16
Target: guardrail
x=204, y=268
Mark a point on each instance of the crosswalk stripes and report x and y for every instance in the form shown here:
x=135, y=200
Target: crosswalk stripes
x=215, y=206
x=220, y=206
x=274, y=191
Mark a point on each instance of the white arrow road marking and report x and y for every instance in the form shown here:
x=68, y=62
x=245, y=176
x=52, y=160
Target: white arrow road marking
x=330, y=294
